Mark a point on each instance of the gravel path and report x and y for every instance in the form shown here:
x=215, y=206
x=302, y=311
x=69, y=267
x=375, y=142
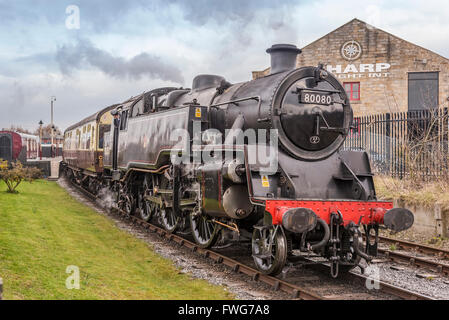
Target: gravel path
x=406, y=276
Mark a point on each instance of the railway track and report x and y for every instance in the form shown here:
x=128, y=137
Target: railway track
x=295, y=290
x=415, y=247
x=413, y=260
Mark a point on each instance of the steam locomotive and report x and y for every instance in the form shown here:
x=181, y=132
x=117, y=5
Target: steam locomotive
x=258, y=161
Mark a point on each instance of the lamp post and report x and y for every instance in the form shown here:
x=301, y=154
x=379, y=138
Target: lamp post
x=40, y=139
x=52, y=99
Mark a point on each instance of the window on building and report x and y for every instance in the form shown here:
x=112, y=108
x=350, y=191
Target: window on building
x=353, y=90
x=423, y=88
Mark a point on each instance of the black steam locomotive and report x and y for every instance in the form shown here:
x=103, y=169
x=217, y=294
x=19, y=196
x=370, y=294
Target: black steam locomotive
x=257, y=161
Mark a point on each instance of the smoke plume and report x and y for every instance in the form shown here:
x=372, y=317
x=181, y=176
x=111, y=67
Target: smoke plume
x=84, y=54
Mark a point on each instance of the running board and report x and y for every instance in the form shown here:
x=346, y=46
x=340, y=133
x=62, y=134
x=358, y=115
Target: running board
x=159, y=201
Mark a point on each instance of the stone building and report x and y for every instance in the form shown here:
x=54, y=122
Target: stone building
x=380, y=72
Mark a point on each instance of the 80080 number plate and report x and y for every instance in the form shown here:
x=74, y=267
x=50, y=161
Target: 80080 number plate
x=316, y=98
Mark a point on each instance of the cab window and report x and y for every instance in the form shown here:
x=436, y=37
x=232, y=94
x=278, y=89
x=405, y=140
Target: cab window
x=138, y=109
x=124, y=120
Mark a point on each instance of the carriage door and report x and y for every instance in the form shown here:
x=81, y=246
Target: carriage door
x=422, y=91
x=5, y=147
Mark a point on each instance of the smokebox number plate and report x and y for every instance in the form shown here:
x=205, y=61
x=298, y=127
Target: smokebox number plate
x=316, y=98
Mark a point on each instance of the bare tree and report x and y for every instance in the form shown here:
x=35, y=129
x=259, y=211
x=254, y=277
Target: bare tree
x=46, y=130
x=15, y=173
x=17, y=129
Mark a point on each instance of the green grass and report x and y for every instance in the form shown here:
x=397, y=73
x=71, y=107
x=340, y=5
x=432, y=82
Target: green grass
x=43, y=230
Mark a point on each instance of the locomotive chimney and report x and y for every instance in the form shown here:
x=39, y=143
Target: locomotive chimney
x=283, y=57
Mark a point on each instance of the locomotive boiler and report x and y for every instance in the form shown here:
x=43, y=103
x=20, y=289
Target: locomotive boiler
x=258, y=161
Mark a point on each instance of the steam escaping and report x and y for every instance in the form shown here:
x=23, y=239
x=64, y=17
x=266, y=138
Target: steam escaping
x=84, y=54
x=106, y=198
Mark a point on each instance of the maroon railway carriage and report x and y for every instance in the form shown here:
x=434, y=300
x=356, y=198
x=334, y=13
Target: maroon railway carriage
x=83, y=148
x=18, y=146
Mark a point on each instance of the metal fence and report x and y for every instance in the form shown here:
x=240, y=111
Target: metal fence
x=401, y=144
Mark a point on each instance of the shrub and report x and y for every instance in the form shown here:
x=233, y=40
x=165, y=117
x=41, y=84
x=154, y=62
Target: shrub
x=15, y=173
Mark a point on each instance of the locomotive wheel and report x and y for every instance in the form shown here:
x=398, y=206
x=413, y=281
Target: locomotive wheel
x=125, y=204
x=147, y=209
x=204, y=230
x=169, y=220
x=269, y=248
x=98, y=187
x=125, y=200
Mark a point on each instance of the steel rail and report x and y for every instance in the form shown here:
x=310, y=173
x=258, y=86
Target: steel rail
x=238, y=267
x=402, y=244
x=392, y=289
x=381, y=285
x=439, y=267
x=423, y=262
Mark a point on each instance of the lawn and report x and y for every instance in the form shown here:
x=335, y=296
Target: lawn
x=43, y=230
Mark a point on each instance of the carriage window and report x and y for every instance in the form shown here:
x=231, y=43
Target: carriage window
x=88, y=137
x=103, y=129
x=138, y=109
x=93, y=138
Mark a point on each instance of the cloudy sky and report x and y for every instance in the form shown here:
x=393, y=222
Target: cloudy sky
x=123, y=48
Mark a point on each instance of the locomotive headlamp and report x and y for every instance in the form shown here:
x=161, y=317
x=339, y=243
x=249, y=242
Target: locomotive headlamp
x=299, y=220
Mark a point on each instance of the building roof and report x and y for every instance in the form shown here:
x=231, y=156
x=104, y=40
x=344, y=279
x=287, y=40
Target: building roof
x=367, y=24
x=90, y=118
x=359, y=21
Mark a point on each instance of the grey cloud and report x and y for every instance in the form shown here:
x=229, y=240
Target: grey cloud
x=17, y=96
x=101, y=15
x=43, y=60
x=6, y=12
x=201, y=11
x=98, y=14
x=84, y=54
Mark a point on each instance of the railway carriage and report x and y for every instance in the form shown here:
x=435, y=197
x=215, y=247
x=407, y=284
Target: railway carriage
x=18, y=146
x=258, y=162
x=83, y=148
